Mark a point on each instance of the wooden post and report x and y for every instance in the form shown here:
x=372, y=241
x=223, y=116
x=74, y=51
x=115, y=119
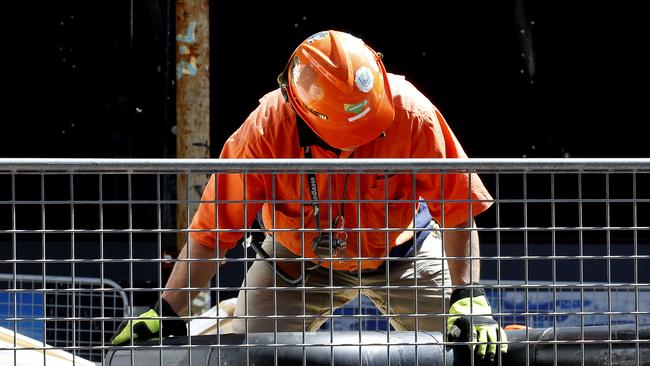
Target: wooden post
x=192, y=101
x=192, y=113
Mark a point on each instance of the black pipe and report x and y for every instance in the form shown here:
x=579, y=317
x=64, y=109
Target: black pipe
x=341, y=348
x=600, y=346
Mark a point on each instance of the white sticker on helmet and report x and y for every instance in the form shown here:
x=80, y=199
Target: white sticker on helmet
x=363, y=79
x=316, y=92
x=295, y=71
x=316, y=37
x=354, y=118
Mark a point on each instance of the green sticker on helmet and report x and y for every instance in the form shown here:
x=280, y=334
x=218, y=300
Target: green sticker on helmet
x=355, y=108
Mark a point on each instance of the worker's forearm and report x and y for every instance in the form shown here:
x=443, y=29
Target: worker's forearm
x=463, y=243
x=199, y=273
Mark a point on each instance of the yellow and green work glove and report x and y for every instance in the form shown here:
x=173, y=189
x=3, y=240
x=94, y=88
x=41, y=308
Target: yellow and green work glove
x=148, y=325
x=474, y=323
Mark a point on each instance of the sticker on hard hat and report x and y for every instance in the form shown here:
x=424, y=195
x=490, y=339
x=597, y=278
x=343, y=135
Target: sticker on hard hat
x=363, y=79
x=352, y=119
x=314, y=112
x=295, y=71
x=316, y=37
x=355, y=108
x=316, y=91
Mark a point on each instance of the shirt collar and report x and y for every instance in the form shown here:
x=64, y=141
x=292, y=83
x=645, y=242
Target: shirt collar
x=307, y=137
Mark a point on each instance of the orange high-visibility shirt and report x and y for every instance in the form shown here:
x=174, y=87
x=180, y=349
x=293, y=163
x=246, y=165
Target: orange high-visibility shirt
x=377, y=206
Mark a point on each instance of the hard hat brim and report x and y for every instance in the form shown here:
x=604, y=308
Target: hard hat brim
x=357, y=132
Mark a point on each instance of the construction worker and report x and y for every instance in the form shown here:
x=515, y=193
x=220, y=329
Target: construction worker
x=335, y=101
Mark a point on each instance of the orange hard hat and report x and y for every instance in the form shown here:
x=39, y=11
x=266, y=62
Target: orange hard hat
x=338, y=86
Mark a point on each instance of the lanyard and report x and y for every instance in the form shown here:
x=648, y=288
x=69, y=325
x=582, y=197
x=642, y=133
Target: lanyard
x=321, y=244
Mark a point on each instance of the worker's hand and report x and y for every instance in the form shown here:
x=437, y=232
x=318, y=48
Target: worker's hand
x=147, y=326
x=474, y=322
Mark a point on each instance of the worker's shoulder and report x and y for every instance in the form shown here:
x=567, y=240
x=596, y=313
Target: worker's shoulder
x=407, y=97
x=271, y=123
x=273, y=100
x=272, y=110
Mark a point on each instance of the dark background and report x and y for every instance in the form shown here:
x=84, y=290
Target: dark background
x=90, y=78
x=513, y=78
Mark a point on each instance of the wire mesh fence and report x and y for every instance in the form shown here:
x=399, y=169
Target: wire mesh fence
x=542, y=306
x=62, y=310
x=85, y=244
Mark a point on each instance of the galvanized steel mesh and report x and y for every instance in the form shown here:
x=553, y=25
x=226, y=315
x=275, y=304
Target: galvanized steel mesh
x=566, y=245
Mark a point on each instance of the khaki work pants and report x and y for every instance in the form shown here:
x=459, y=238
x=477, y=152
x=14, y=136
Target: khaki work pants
x=272, y=302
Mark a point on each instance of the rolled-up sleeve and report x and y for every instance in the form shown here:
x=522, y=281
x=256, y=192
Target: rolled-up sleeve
x=453, y=198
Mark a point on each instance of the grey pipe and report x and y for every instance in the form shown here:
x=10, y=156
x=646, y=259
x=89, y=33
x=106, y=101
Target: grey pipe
x=299, y=165
x=374, y=348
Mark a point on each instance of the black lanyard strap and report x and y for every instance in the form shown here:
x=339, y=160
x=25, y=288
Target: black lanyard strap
x=323, y=244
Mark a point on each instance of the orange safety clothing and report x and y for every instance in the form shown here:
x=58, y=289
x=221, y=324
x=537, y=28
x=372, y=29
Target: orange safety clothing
x=378, y=206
